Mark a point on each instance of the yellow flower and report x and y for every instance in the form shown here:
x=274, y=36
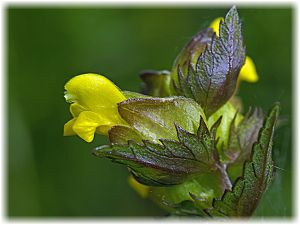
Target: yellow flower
x=248, y=72
x=215, y=25
x=93, y=101
x=141, y=189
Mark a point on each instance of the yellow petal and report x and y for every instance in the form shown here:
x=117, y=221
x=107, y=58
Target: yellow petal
x=141, y=189
x=215, y=25
x=68, y=127
x=93, y=92
x=103, y=129
x=94, y=101
x=86, y=124
x=248, y=72
x=76, y=109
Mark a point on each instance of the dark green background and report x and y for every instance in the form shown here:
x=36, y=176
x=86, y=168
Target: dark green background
x=51, y=175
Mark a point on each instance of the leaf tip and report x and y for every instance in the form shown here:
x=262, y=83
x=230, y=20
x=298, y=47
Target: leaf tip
x=98, y=150
x=232, y=10
x=276, y=108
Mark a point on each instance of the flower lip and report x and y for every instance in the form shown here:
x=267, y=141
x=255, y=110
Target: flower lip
x=94, y=92
x=93, y=103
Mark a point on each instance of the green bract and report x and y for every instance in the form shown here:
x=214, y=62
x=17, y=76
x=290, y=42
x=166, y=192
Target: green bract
x=184, y=140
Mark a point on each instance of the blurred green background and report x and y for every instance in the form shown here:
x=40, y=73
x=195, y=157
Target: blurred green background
x=50, y=175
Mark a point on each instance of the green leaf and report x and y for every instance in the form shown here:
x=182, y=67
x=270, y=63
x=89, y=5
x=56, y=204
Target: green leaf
x=169, y=163
x=230, y=117
x=240, y=141
x=199, y=191
x=257, y=175
x=213, y=80
x=190, y=53
x=243, y=136
x=156, y=83
x=154, y=118
x=121, y=134
x=131, y=94
x=186, y=208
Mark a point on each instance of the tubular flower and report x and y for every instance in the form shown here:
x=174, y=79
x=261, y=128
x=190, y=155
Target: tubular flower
x=93, y=101
x=248, y=72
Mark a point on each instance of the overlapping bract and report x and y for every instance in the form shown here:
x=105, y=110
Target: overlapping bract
x=185, y=142
x=213, y=80
x=257, y=175
x=170, y=162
